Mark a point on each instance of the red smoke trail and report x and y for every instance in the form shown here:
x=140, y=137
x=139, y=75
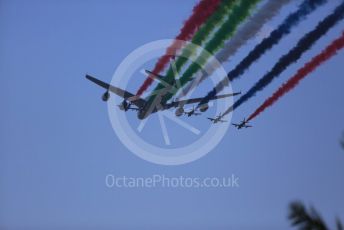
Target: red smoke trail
x=200, y=13
x=308, y=68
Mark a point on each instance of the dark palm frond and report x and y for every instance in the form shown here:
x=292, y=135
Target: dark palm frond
x=339, y=225
x=305, y=220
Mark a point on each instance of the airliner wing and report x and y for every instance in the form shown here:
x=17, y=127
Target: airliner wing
x=139, y=102
x=196, y=100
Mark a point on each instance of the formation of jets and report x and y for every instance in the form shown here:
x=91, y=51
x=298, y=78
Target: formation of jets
x=144, y=109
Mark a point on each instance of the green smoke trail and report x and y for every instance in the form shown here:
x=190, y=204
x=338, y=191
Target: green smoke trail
x=239, y=13
x=214, y=20
x=201, y=35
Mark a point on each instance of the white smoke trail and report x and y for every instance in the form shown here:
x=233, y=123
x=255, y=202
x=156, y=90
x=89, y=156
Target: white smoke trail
x=245, y=33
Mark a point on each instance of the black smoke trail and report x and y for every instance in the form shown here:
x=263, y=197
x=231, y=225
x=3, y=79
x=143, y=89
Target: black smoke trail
x=293, y=55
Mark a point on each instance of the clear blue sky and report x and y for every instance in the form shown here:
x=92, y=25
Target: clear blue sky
x=57, y=144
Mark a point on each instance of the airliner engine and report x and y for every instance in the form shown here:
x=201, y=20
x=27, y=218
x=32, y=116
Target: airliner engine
x=179, y=111
x=204, y=108
x=106, y=96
